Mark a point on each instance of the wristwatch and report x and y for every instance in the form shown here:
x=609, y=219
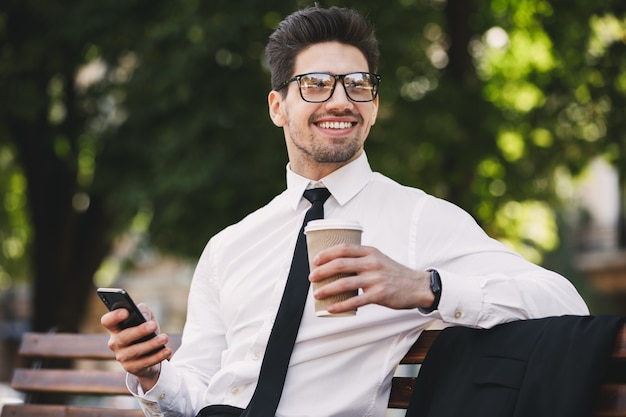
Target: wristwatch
x=435, y=287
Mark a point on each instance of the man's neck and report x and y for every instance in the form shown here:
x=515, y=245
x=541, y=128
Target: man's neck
x=315, y=171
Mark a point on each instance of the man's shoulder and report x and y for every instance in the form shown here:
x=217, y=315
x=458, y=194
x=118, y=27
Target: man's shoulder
x=387, y=189
x=382, y=183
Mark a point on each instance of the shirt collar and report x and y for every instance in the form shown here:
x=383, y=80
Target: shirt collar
x=343, y=184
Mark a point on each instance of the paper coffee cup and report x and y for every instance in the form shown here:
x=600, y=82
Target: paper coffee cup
x=320, y=235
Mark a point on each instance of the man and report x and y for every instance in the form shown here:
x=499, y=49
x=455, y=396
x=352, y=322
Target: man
x=422, y=258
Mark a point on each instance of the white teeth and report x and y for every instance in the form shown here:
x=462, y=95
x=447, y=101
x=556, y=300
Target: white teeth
x=335, y=125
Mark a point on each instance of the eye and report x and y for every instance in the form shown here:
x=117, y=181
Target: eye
x=358, y=81
x=315, y=81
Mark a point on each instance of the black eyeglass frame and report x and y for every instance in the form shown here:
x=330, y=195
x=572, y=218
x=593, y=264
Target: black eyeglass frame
x=332, y=90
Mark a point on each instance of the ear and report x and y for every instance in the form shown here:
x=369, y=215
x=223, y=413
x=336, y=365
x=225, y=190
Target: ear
x=276, y=108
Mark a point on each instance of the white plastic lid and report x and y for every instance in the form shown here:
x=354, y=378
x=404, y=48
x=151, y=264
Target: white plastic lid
x=324, y=224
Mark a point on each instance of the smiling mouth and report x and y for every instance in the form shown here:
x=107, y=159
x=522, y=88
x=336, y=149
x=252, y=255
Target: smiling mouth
x=336, y=125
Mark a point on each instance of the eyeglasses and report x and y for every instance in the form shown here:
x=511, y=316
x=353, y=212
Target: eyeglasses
x=318, y=87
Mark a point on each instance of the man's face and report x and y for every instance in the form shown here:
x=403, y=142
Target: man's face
x=322, y=137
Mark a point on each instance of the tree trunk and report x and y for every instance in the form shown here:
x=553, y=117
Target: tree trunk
x=69, y=245
x=460, y=75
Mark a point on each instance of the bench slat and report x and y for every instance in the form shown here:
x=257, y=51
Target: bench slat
x=418, y=351
x=72, y=346
x=75, y=381
x=401, y=390
x=38, y=410
x=65, y=345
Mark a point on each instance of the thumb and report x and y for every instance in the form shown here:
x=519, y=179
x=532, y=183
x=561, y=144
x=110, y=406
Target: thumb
x=148, y=314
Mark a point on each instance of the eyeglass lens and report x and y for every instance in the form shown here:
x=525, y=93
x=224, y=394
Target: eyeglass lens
x=318, y=87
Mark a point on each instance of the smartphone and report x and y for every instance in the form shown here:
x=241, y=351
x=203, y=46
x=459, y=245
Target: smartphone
x=114, y=298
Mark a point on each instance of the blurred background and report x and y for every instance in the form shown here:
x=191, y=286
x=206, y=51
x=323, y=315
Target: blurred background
x=132, y=131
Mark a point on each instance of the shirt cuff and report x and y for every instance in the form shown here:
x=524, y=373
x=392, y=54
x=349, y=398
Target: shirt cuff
x=161, y=396
x=461, y=300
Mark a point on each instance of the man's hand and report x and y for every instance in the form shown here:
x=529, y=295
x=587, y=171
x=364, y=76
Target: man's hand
x=383, y=280
x=140, y=359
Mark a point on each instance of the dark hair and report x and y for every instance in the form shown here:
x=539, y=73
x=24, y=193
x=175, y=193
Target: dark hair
x=312, y=25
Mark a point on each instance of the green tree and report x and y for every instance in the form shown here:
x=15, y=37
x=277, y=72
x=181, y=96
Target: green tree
x=512, y=94
x=155, y=113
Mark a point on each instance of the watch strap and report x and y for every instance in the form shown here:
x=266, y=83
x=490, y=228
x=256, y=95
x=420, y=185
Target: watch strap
x=435, y=287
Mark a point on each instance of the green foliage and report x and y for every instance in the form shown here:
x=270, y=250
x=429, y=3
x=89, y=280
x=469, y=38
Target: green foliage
x=160, y=108
x=15, y=230
x=537, y=97
x=196, y=143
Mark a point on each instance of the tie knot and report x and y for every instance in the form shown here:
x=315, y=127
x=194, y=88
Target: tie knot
x=315, y=195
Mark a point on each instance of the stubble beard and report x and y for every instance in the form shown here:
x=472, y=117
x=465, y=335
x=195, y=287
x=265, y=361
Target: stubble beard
x=325, y=154
x=322, y=153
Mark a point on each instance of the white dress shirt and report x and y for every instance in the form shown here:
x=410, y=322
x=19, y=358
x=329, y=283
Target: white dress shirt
x=341, y=367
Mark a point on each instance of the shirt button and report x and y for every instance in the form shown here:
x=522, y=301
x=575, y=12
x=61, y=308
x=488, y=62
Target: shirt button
x=255, y=356
x=458, y=315
x=234, y=391
x=161, y=396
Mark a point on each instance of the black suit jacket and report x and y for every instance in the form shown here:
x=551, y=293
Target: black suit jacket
x=532, y=368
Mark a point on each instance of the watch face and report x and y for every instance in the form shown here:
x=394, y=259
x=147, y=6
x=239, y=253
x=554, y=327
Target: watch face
x=435, y=281
x=435, y=287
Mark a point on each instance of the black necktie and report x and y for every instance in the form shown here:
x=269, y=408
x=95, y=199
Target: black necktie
x=283, y=336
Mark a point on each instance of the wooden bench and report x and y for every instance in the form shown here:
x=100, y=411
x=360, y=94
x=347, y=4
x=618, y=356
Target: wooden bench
x=39, y=348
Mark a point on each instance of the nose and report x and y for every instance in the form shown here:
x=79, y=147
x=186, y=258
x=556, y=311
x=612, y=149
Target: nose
x=339, y=98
